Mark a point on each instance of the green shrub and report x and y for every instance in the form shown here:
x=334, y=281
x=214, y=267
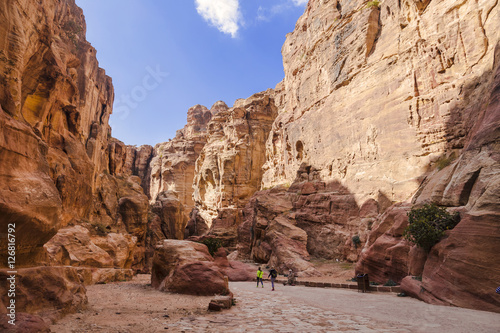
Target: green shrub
x=356, y=241
x=371, y=4
x=101, y=229
x=213, y=244
x=444, y=161
x=390, y=283
x=428, y=224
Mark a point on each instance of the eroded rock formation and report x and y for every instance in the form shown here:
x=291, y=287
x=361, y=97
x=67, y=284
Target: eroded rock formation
x=383, y=106
x=374, y=96
x=229, y=168
x=172, y=170
x=59, y=172
x=377, y=99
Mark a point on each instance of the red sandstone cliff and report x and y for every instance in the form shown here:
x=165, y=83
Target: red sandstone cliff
x=61, y=183
x=374, y=99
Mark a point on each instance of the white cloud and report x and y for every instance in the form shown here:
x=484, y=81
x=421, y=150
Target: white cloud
x=300, y=2
x=223, y=14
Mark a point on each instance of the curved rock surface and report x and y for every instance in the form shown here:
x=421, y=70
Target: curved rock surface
x=186, y=267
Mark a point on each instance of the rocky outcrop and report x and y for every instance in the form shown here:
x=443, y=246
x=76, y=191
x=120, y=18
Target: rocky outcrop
x=74, y=246
x=380, y=98
x=229, y=168
x=186, y=267
x=49, y=292
x=121, y=206
x=58, y=167
x=130, y=160
x=286, y=226
x=173, y=165
x=55, y=104
x=469, y=185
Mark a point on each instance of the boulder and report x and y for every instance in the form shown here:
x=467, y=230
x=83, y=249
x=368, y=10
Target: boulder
x=73, y=246
x=195, y=278
x=49, y=292
x=186, y=267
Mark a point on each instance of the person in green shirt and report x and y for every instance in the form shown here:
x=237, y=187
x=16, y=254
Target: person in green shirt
x=259, y=277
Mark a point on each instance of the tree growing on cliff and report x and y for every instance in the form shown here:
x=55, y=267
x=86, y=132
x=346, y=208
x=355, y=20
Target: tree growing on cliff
x=428, y=224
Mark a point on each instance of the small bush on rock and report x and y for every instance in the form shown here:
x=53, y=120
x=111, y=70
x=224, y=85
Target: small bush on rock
x=371, y=4
x=356, y=241
x=428, y=224
x=213, y=244
x=390, y=283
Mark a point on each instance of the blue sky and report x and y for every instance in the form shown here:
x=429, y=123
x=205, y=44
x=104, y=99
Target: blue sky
x=166, y=56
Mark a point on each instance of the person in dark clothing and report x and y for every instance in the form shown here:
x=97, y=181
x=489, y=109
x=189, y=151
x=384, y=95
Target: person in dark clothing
x=273, y=274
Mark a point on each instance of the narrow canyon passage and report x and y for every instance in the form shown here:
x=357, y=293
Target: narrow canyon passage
x=135, y=307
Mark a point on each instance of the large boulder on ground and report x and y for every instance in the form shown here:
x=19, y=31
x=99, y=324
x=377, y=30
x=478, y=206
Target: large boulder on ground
x=50, y=292
x=186, y=267
x=196, y=278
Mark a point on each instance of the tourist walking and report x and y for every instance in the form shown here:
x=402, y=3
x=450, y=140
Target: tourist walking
x=272, y=274
x=259, y=277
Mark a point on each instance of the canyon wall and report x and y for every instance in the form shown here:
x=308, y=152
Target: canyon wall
x=374, y=95
x=172, y=170
x=385, y=103
x=65, y=184
x=229, y=169
x=383, y=106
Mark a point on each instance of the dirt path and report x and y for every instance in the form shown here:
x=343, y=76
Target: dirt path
x=136, y=307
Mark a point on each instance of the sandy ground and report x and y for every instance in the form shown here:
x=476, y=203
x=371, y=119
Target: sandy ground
x=135, y=307
x=132, y=306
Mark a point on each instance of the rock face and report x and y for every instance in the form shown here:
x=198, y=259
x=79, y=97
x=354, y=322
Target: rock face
x=379, y=99
x=55, y=104
x=186, y=267
x=61, y=173
x=469, y=185
x=373, y=96
x=172, y=168
x=229, y=168
x=58, y=291
x=284, y=227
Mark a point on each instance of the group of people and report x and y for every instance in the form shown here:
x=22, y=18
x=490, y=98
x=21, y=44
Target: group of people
x=273, y=274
